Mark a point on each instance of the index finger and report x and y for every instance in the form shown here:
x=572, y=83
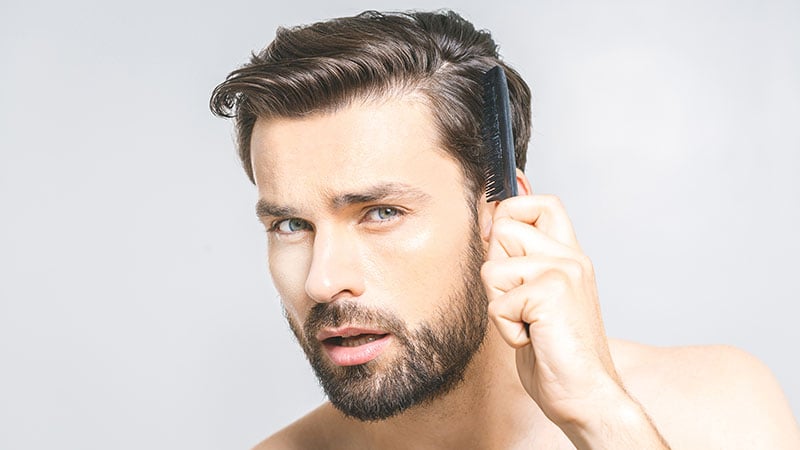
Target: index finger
x=545, y=212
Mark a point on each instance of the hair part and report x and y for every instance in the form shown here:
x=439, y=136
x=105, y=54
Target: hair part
x=325, y=66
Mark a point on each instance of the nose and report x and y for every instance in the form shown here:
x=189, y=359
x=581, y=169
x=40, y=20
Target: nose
x=335, y=270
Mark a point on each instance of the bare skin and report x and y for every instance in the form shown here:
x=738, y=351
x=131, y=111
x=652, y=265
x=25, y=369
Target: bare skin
x=562, y=383
x=691, y=411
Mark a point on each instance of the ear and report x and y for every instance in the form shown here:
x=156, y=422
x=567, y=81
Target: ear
x=485, y=214
x=523, y=185
x=486, y=209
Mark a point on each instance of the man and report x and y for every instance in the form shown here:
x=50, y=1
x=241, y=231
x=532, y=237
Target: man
x=362, y=136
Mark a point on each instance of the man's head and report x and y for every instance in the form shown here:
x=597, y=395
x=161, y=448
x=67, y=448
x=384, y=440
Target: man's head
x=362, y=136
x=327, y=65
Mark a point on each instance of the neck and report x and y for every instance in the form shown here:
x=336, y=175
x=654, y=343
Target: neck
x=489, y=409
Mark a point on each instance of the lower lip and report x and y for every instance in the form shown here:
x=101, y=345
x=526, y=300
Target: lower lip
x=353, y=356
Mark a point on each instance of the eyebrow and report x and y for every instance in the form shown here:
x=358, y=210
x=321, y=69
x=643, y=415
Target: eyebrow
x=383, y=191
x=267, y=209
x=379, y=192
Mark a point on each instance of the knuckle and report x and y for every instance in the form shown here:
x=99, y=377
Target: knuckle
x=493, y=308
x=517, y=343
x=562, y=290
x=586, y=264
x=559, y=275
x=551, y=200
x=489, y=270
x=502, y=210
x=553, y=203
x=576, y=268
x=502, y=226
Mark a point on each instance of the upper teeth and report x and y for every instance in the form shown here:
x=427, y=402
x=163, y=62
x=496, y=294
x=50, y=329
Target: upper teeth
x=355, y=341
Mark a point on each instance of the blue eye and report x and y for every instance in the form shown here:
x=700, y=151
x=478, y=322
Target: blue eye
x=292, y=225
x=383, y=213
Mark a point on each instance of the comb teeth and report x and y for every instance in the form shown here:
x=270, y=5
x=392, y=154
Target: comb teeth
x=498, y=137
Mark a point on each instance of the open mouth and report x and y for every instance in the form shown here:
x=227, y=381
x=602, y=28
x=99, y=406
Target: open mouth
x=353, y=341
x=353, y=346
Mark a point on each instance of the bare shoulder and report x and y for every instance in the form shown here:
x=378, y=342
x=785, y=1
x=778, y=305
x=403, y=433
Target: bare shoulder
x=316, y=430
x=708, y=396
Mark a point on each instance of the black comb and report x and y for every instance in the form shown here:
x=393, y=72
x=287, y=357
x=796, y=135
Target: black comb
x=498, y=138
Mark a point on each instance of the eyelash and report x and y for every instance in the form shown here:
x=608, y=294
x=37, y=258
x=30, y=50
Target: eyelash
x=275, y=225
x=398, y=212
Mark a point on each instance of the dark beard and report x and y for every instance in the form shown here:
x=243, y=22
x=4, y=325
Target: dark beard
x=432, y=359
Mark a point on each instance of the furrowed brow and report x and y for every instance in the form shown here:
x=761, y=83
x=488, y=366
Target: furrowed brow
x=267, y=209
x=379, y=193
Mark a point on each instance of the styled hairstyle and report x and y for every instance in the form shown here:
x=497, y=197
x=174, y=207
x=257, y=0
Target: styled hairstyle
x=321, y=67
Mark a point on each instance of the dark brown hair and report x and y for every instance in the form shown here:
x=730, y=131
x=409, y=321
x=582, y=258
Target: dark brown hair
x=324, y=66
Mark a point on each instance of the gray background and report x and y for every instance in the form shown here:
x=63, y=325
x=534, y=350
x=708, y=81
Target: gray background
x=135, y=306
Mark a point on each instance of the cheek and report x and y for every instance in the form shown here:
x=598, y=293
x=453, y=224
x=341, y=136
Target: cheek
x=420, y=266
x=289, y=270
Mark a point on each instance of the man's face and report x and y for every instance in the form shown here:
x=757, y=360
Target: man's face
x=375, y=251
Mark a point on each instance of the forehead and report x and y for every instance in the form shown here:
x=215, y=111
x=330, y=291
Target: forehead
x=392, y=140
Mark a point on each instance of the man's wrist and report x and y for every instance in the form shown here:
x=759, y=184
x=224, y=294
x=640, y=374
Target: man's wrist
x=613, y=420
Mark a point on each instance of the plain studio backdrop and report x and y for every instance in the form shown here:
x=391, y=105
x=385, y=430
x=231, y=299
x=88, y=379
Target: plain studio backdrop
x=136, y=310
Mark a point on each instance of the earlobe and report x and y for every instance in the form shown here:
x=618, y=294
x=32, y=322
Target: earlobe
x=523, y=185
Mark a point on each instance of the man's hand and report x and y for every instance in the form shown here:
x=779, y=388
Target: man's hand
x=543, y=301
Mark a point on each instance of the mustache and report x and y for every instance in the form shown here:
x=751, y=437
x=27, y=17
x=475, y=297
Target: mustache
x=340, y=313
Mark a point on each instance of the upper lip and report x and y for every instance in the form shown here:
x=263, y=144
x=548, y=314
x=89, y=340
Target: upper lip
x=347, y=331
